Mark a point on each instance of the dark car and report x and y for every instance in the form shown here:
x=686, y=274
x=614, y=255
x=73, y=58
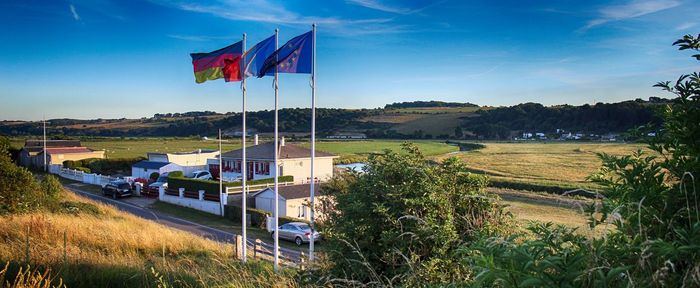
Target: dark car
x=117, y=189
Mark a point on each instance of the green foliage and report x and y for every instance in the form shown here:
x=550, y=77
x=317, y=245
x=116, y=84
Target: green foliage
x=19, y=190
x=77, y=208
x=154, y=176
x=84, y=169
x=176, y=180
x=550, y=256
x=403, y=219
x=104, y=166
x=287, y=219
x=257, y=216
x=176, y=174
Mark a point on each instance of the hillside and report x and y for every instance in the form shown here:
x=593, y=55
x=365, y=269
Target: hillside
x=109, y=248
x=406, y=120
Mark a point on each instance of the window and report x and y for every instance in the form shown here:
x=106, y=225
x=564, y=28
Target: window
x=301, y=211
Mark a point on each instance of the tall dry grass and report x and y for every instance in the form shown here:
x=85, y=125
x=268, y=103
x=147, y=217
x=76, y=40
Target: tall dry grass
x=116, y=249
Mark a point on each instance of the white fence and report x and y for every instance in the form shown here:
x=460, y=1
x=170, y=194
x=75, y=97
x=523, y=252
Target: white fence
x=200, y=204
x=77, y=175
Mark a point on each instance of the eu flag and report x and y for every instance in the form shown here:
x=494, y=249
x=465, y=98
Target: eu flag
x=295, y=56
x=254, y=59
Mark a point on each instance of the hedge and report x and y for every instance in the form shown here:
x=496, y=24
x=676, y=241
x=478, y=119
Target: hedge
x=211, y=186
x=104, y=166
x=85, y=170
x=286, y=219
x=257, y=216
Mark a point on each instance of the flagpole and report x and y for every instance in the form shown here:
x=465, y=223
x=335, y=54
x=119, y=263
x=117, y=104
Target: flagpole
x=277, y=168
x=313, y=139
x=221, y=176
x=46, y=168
x=243, y=170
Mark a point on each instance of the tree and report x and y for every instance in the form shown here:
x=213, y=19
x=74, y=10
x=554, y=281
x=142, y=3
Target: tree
x=458, y=132
x=402, y=219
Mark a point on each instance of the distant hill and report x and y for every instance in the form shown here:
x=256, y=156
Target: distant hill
x=405, y=120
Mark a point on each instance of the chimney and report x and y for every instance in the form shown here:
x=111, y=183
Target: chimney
x=282, y=141
x=256, y=139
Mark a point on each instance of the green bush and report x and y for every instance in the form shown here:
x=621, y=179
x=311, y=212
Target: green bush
x=104, y=166
x=176, y=174
x=154, y=176
x=287, y=219
x=84, y=169
x=257, y=217
x=175, y=181
x=19, y=190
x=51, y=186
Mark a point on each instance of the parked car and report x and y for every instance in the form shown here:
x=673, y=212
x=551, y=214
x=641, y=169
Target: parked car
x=299, y=232
x=162, y=181
x=116, y=189
x=204, y=175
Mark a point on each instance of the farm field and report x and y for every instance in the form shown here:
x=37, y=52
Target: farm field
x=356, y=151
x=566, y=164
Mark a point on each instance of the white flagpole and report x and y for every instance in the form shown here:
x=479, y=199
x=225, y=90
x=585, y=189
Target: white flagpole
x=277, y=168
x=221, y=176
x=46, y=167
x=244, y=175
x=313, y=139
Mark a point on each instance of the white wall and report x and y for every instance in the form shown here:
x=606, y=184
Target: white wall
x=266, y=200
x=301, y=168
x=201, y=205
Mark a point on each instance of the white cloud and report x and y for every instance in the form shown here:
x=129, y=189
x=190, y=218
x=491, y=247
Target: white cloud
x=686, y=25
x=73, y=12
x=630, y=10
x=265, y=12
x=376, y=5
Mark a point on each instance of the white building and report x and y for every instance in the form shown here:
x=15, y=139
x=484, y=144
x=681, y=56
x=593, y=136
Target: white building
x=144, y=169
x=293, y=160
x=187, y=161
x=293, y=200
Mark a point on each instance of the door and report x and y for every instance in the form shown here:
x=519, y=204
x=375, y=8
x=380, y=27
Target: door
x=249, y=170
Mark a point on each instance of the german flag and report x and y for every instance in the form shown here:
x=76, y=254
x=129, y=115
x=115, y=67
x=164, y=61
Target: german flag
x=223, y=63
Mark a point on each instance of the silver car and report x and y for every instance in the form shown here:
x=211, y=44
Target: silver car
x=299, y=232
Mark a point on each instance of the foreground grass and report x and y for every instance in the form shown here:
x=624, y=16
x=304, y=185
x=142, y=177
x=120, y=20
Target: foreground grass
x=108, y=248
x=547, y=164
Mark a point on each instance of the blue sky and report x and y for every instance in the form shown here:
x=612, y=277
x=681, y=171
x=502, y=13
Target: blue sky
x=113, y=59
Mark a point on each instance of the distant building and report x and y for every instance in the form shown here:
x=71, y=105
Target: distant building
x=347, y=135
x=57, y=151
x=144, y=169
x=527, y=135
x=293, y=160
x=187, y=162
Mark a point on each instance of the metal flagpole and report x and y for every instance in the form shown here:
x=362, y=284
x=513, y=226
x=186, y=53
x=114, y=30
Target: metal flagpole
x=244, y=167
x=277, y=168
x=313, y=139
x=46, y=167
x=221, y=176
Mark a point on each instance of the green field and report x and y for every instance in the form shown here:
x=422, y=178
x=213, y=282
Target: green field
x=355, y=151
x=563, y=164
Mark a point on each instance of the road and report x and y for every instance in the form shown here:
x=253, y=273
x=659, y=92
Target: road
x=177, y=223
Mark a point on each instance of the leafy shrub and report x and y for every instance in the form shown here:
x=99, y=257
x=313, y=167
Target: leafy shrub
x=51, y=186
x=212, y=186
x=84, y=169
x=176, y=174
x=403, y=219
x=19, y=190
x=287, y=219
x=104, y=166
x=258, y=217
x=154, y=176
x=72, y=207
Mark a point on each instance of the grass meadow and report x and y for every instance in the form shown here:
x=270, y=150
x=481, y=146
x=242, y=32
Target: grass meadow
x=105, y=247
x=565, y=164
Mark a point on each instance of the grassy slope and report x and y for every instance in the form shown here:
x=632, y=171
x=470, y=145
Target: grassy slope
x=117, y=249
x=358, y=150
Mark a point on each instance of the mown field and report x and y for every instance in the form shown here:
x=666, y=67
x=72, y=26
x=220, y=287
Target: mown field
x=563, y=164
x=356, y=151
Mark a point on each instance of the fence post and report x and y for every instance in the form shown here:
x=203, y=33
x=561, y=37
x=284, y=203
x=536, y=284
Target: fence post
x=235, y=246
x=255, y=248
x=181, y=192
x=201, y=195
x=161, y=193
x=301, y=260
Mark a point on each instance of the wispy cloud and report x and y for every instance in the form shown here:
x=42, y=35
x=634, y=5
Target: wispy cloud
x=630, y=10
x=686, y=25
x=74, y=12
x=377, y=5
x=262, y=11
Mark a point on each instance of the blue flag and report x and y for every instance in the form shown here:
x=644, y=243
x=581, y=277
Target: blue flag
x=254, y=59
x=295, y=56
